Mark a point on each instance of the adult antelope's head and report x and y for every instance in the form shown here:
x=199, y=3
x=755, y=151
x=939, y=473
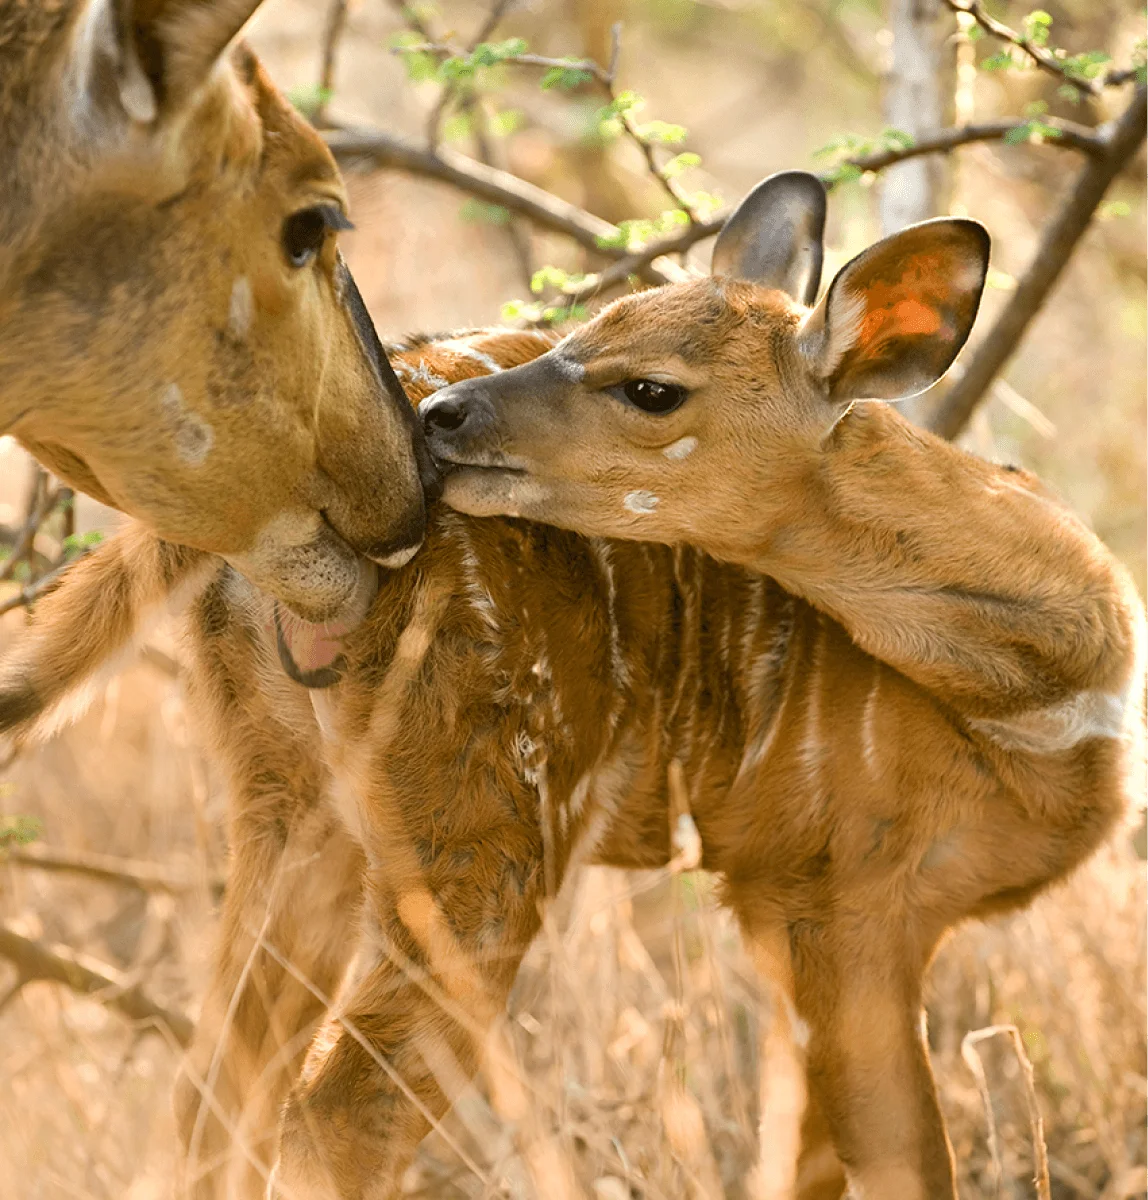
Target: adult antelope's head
x=179, y=336
x=685, y=414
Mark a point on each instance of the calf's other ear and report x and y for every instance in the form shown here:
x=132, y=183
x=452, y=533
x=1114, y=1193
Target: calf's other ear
x=774, y=236
x=895, y=317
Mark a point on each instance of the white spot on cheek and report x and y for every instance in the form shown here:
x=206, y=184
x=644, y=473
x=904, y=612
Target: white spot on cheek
x=680, y=449
x=192, y=435
x=640, y=502
x=240, y=310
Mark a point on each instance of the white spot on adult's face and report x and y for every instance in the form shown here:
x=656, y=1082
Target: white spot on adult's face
x=640, y=502
x=567, y=368
x=191, y=435
x=680, y=449
x=240, y=310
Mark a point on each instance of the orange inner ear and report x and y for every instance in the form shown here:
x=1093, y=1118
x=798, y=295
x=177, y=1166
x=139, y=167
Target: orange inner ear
x=911, y=303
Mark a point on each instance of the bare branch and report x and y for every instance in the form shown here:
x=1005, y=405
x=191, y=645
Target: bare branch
x=1071, y=137
x=1056, y=247
x=41, y=502
x=35, y=960
x=1042, y=57
x=487, y=183
x=332, y=31
x=107, y=868
x=27, y=595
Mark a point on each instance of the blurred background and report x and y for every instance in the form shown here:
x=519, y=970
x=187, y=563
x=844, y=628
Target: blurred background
x=758, y=85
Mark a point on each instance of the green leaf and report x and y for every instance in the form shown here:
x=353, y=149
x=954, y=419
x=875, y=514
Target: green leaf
x=309, y=99
x=76, y=543
x=457, y=127
x=897, y=139
x=479, y=211
x=1113, y=208
x=1086, y=66
x=506, y=122
x=1037, y=26
x=661, y=132
x=487, y=54
x=679, y=163
x=842, y=173
x=19, y=831
x=565, y=79
x=1036, y=108
x=999, y=62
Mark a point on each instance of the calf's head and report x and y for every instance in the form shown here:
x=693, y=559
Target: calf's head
x=179, y=336
x=685, y=414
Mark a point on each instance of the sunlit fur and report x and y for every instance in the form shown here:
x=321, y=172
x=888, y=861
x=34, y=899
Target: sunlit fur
x=157, y=349
x=513, y=705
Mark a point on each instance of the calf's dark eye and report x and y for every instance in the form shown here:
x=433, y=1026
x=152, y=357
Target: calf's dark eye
x=653, y=397
x=304, y=233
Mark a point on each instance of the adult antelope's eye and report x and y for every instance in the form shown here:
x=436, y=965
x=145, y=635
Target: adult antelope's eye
x=653, y=397
x=304, y=233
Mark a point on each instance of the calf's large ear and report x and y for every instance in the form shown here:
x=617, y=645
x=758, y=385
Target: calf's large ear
x=774, y=236
x=895, y=317
x=142, y=59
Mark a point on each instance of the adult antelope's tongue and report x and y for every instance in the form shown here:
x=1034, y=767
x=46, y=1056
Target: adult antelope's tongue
x=312, y=652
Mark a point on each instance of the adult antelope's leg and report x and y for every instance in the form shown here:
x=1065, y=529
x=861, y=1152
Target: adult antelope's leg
x=410, y=1035
x=857, y=986
x=294, y=883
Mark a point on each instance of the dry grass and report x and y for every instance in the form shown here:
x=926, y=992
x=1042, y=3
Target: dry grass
x=634, y=1029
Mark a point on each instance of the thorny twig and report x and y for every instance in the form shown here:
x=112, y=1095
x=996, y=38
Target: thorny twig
x=450, y=90
x=36, y=960
x=1042, y=57
x=605, y=77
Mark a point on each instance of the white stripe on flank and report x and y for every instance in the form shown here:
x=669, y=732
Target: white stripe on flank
x=811, y=746
x=465, y=350
x=869, y=747
x=423, y=374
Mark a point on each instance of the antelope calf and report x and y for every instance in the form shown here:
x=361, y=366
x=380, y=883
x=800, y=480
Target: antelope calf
x=922, y=712
x=179, y=337
x=949, y=686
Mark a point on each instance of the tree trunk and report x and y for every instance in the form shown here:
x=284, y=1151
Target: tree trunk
x=915, y=102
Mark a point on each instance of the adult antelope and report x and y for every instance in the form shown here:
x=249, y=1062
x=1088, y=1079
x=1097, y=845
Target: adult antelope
x=178, y=335
x=939, y=735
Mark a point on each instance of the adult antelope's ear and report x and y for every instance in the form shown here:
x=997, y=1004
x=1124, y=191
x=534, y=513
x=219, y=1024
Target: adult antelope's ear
x=144, y=59
x=895, y=317
x=774, y=236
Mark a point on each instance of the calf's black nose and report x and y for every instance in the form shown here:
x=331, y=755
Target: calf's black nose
x=446, y=414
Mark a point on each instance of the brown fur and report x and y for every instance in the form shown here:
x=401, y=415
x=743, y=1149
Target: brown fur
x=157, y=348
x=515, y=701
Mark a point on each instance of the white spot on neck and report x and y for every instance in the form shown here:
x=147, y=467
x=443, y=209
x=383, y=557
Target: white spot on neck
x=240, y=310
x=680, y=449
x=640, y=502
